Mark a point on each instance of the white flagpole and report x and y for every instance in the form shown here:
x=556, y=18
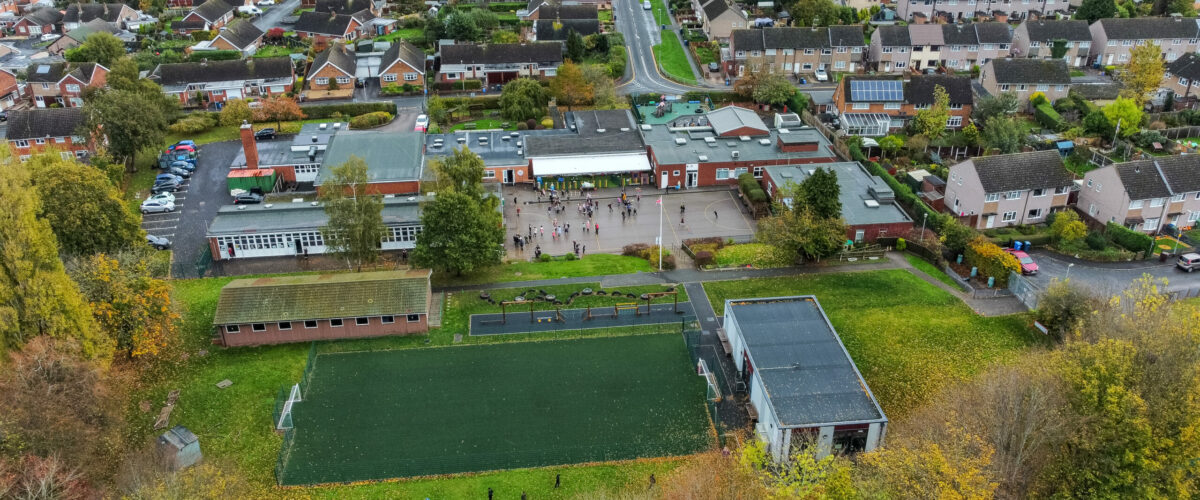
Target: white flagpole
x=660, y=233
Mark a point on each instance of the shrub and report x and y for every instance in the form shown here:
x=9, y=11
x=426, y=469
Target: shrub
x=1095, y=241
x=716, y=241
x=901, y=244
x=991, y=260
x=370, y=120
x=1047, y=117
x=1038, y=99
x=545, y=257
x=634, y=249
x=1128, y=239
x=571, y=256
x=704, y=258
x=531, y=124
x=194, y=123
x=1068, y=227
x=1063, y=307
x=1147, y=138
x=548, y=123
x=616, y=62
x=522, y=126
x=353, y=109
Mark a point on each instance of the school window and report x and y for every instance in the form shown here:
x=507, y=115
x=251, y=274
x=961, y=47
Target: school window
x=489, y=174
x=759, y=170
x=1156, y=202
x=410, y=77
x=1039, y=192
x=362, y=321
x=1013, y=195
x=1009, y=216
x=992, y=197
x=310, y=324
x=232, y=329
x=336, y=322
x=1035, y=214
x=413, y=318
x=258, y=327
x=387, y=320
x=722, y=173
x=285, y=325
x=389, y=77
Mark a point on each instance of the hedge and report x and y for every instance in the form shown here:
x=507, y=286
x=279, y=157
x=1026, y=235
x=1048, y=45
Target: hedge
x=215, y=55
x=505, y=6
x=459, y=85
x=991, y=260
x=370, y=120
x=933, y=219
x=797, y=102
x=491, y=102
x=1128, y=239
x=353, y=109
x=1047, y=116
x=751, y=189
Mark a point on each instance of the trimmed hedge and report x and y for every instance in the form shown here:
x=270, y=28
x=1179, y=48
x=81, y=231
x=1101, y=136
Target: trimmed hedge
x=370, y=120
x=354, y=109
x=1045, y=115
x=490, y=102
x=751, y=189
x=1128, y=239
x=991, y=260
x=459, y=85
x=904, y=194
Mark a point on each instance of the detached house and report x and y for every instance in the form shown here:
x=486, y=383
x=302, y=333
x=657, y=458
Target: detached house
x=241, y=35
x=78, y=35
x=718, y=19
x=1144, y=195
x=1008, y=190
x=875, y=106
x=209, y=15
x=32, y=131
x=79, y=13
x=325, y=26
x=349, y=6
x=1036, y=40
x=1026, y=76
x=335, y=65
x=498, y=63
x=402, y=63
x=197, y=83
x=39, y=22
x=1112, y=39
x=62, y=84
x=796, y=50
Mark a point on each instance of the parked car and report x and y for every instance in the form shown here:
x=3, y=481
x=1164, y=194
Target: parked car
x=247, y=198
x=168, y=177
x=422, y=123
x=266, y=133
x=646, y=4
x=3, y=116
x=158, y=242
x=821, y=75
x=186, y=142
x=182, y=148
x=1188, y=262
x=50, y=37
x=168, y=186
x=250, y=10
x=265, y=3
x=1028, y=266
x=156, y=206
x=179, y=172
x=162, y=197
x=190, y=167
x=713, y=67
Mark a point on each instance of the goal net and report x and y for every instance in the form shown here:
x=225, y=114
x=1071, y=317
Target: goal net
x=714, y=391
x=285, y=416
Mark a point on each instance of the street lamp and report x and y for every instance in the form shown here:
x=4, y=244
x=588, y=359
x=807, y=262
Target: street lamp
x=923, y=217
x=1069, y=266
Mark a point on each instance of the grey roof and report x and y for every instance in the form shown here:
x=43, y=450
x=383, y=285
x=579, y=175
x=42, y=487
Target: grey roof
x=589, y=122
x=565, y=145
x=795, y=38
x=323, y=296
x=337, y=55
x=212, y=10
x=222, y=71
x=846, y=36
x=1021, y=171
x=55, y=72
x=44, y=16
x=856, y=187
x=1098, y=91
x=84, y=12
x=258, y=219
x=808, y=375
x=178, y=436
x=241, y=33
x=1045, y=31
x=993, y=32
x=188, y=25
x=43, y=122
x=390, y=156
x=668, y=151
x=1160, y=177
x=894, y=36
x=1149, y=28
x=925, y=34
x=1031, y=71
x=959, y=34
x=729, y=118
x=81, y=33
x=919, y=89
x=499, y=53
x=323, y=23
x=1187, y=66
x=403, y=51
x=342, y=6
x=714, y=8
x=545, y=28
x=498, y=149
x=555, y=11
x=747, y=39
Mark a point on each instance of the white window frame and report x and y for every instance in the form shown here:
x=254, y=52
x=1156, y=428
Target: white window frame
x=284, y=325
x=387, y=320
x=340, y=323
x=413, y=318
x=308, y=322
x=362, y=321
x=1008, y=216
x=1178, y=197
x=389, y=77
x=990, y=197
x=1013, y=195
x=1038, y=193
x=321, y=80
x=343, y=80
x=411, y=77
x=861, y=105
x=1034, y=214
x=1157, y=202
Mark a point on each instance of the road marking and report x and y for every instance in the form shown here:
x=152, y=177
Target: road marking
x=161, y=228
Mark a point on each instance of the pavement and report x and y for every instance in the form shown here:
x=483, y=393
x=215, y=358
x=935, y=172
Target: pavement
x=274, y=14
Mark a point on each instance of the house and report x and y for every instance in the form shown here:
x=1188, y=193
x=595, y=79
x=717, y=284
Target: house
x=212, y=15
x=796, y=50
x=326, y=27
x=77, y=36
x=286, y=309
x=1183, y=77
x=79, y=13
x=848, y=44
x=951, y=11
x=335, y=67
x=187, y=4
x=1112, y=39
x=553, y=9
x=498, y=63
x=718, y=19
x=375, y=7
x=875, y=106
x=395, y=160
x=1008, y=190
x=895, y=49
x=927, y=42
x=558, y=29
x=889, y=49
x=1036, y=40
x=39, y=22
x=9, y=91
x=33, y=131
x=403, y=63
x=1144, y=195
x=868, y=204
x=62, y=84
x=803, y=386
x=197, y=83
x=1026, y=76
x=240, y=35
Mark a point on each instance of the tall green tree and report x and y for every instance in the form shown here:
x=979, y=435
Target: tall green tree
x=574, y=46
x=604, y=90
x=1004, y=134
x=96, y=218
x=931, y=121
x=36, y=295
x=461, y=26
x=570, y=87
x=1126, y=114
x=820, y=193
x=462, y=228
x=1094, y=10
x=523, y=99
x=462, y=171
x=798, y=230
x=815, y=12
x=100, y=47
x=132, y=113
x=355, y=228
x=1143, y=74
x=998, y=105
x=891, y=144
x=773, y=89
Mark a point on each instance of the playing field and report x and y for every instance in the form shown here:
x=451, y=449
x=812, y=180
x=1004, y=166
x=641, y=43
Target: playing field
x=417, y=412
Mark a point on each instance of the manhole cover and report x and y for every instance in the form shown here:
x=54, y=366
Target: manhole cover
x=710, y=318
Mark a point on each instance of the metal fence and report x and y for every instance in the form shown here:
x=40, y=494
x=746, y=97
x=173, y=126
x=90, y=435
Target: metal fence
x=1024, y=290
x=281, y=404
x=707, y=352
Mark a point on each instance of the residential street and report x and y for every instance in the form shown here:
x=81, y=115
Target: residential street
x=275, y=13
x=642, y=33
x=1108, y=278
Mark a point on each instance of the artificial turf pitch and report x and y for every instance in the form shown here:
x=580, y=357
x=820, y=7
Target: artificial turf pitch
x=418, y=412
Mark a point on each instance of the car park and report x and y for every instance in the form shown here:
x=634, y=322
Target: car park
x=266, y=133
x=179, y=172
x=422, y=123
x=166, y=186
x=168, y=177
x=162, y=197
x=158, y=242
x=1188, y=262
x=190, y=167
x=157, y=206
x=1028, y=266
x=247, y=198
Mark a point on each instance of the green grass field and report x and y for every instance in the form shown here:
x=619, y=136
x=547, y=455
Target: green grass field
x=418, y=412
x=931, y=270
x=522, y=270
x=673, y=60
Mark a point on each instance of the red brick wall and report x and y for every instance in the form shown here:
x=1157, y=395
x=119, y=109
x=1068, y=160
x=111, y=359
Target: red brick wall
x=793, y=148
x=744, y=131
x=35, y=148
x=871, y=231
x=708, y=170
x=403, y=187
x=298, y=333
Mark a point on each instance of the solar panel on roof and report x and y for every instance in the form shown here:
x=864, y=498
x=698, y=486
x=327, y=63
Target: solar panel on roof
x=876, y=90
x=43, y=68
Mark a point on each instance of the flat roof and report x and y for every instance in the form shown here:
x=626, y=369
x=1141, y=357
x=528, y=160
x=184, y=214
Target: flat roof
x=500, y=149
x=809, y=377
x=278, y=154
x=662, y=140
x=390, y=156
x=307, y=216
x=856, y=185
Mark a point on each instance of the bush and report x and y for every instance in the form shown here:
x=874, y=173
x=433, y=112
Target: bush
x=634, y=249
x=194, y=123
x=571, y=256
x=616, y=61
x=1128, y=239
x=459, y=85
x=545, y=257
x=651, y=254
x=1095, y=241
x=901, y=244
x=991, y=260
x=716, y=241
x=353, y=109
x=1147, y=138
x=548, y=123
x=704, y=258
x=1047, y=117
x=522, y=126
x=531, y=124
x=370, y=120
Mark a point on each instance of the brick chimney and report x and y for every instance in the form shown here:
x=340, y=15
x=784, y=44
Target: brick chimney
x=249, y=146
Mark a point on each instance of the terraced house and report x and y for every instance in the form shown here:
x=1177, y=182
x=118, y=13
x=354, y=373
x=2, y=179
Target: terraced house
x=1112, y=39
x=1183, y=78
x=1023, y=77
x=32, y=131
x=1008, y=190
x=796, y=50
x=1037, y=39
x=1144, y=195
x=895, y=49
x=63, y=84
x=958, y=10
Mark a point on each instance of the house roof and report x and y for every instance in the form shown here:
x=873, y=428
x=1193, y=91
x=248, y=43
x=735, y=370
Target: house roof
x=714, y=8
x=1045, y=31
x=959, y=34
x=808, y=377
x=212, y=10
x=323, y=23
x=323, y=296
x=993, y=32
x=747, y=39
x=188, y=25
x=499, y=53
x=1097, y=91
x=44, y=16
x=925, y=34
x=730, y=118
x=55, y=72
x=222, y=71
x=94, y=26
x=1149, y=28
x=84, y=12
x=405, y=52
x=390, y=156
x=337, y=55
x=1187, y=66
x=241, y=33
x=894, y=36
x=1160, y=177
x=1030, y=71
x=795, y=38
x=846, y=36
x=43, y=122
x=555, y=11
x=1021, y=171
x=343, y=6
x=544, y=28
x=919, y=90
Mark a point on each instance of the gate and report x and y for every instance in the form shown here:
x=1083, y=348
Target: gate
x=1024, y=290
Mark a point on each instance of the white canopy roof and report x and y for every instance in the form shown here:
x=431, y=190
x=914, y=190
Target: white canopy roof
x=598, y=164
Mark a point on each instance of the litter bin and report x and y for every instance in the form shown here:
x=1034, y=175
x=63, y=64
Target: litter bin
x=1162, y=256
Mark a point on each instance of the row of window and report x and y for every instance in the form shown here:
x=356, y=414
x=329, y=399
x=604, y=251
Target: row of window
x=1016, y=195
x=275, y=240
x=1034, y=214
x=724, y=173
x=997, y=4
x=66, y=155
x=24, y=143
x=1083, y=44
x=341, y=80
x=895, y=106
x=935, y=48
x=1004, y=87
x=408, y=77
x=790, y=52
x=1158, y=202
x=402, y=233
x=1130, y=43
x=312, y=323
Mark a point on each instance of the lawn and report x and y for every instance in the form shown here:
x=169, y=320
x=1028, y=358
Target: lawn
x=705, y=54
x=407, y=34
x=673, y=60
x=1076, y=72
x=420, y=412
x=909, y=338
x=278, y=51
x=1170, y=244
x=220, y=133
x=927, y=268
x=606, y=16
x=758, y=255
x=485, y=124
x=589, y=265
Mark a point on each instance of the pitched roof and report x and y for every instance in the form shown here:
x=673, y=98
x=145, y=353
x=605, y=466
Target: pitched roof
x=1097, y=91
x=94, y=26
x=1045, y=31
x=795, y=38
x=84, y=12
x=405, y=52
x=1030, y=71
x=747, y=39
x=1021, y=171
x=390, y=156
x=729, y=118
x=212, y=10
x=1160, y=177
x=846, y=36
x=959, y=34
x=240, y=33
x=919, y=89
x=337, y=55
x=55, y=72
x=188, y=25
x=1187, y=66
x=44, y=16
x=925, y=34
x=993, y=32
x=323, y=296
x=323, y=23
x=222, y=71
x=43, y=122
x=498, y=53
x=1149, y=28
x=714, y=8
x=342, y=6
x=894, y=36
x=545, y=28
x=554, y=11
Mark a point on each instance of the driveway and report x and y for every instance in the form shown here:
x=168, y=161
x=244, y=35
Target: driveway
x=198, y=202
x=1108, y=278
x=275, y=13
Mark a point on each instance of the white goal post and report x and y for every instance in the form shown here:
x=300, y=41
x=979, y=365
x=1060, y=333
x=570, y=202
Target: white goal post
x=285, y=416
x=714, y=391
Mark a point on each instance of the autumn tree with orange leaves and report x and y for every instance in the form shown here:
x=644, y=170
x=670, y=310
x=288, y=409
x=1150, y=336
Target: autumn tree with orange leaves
x=130, y=304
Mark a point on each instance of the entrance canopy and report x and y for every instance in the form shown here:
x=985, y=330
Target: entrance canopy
x=565, y=166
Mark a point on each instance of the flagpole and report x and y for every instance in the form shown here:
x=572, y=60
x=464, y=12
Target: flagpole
x=660, y=233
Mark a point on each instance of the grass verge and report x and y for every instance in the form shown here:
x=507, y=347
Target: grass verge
x=589, y=265
x=927, y=268
x=673, y=60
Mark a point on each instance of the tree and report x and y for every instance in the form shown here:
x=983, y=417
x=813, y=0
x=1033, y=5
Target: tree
x=773, y=89
x=97, y=219
x=971, y=134
x=569, y=86
x=891, y=144
x=803, y=475
x=355, y=228
x=955, y=235
x=462, y=171
x=602, y=44
x=931, y=121
x=235, y=112
x=1000, y=105
x=1064, y=308
x=1067, y=227
x=100, y=47
x=131, y=306
x=437, y=109
x=275, y=34
x=503, y=36
x=1182, y=7
x=1004, y=134
x=278, y=109
x=1143, y=74
x=460, y=233
x=604, y=90
x=1096, y=123
x=461, y=26
x=799, y=232
x=132, y=113
x=820, y=192
x=36, y=296
x=1126, y=114
x=574, y=46
x=926, y=468
x=1094, y=10
x=523, y=99
x=815, y=12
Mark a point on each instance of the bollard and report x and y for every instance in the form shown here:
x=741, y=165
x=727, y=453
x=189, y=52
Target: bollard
x=974, y=271
x=991, y=281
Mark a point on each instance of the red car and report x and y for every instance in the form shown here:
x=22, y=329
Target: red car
x=1028, y=266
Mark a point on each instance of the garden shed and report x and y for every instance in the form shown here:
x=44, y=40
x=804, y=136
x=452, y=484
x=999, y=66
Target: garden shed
x=180, y=448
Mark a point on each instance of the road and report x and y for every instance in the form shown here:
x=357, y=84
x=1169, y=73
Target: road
x=275, y=14
x=642, y=33
x=1108, y=278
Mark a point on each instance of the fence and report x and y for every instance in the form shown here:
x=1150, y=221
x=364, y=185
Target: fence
x=282, y=416
x=1189, y=293
x=867, y=254
x=1180, y=132
x=707, y=352
x=1025, y=291
x=839, y=146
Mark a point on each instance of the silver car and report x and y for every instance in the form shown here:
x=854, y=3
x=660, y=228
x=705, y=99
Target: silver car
x=157, y=205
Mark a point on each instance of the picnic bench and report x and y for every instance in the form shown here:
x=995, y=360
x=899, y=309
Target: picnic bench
x=724, y=341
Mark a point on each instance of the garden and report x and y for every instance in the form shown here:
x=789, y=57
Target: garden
x=717, y=253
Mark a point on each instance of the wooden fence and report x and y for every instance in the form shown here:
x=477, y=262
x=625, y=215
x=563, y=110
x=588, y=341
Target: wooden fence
x=839, y=146
x=1181, y=132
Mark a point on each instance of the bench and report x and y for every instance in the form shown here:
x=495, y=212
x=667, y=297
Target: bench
x=724, y=341
x=753, y=413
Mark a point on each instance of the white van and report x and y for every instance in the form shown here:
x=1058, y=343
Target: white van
x=646, y=4
x=250, y=10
